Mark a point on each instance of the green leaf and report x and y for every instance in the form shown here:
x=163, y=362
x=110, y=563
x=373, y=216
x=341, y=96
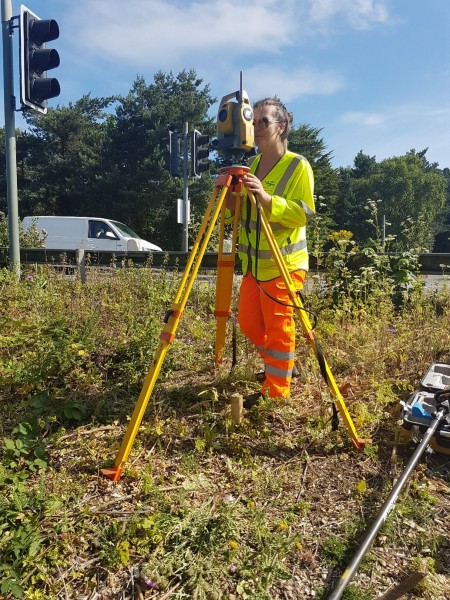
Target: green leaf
x=19, y=444
x=41, y=464
x=22, y=428
x=124, y=552
x=9, y=444
x=34, y=547
x=11, y=586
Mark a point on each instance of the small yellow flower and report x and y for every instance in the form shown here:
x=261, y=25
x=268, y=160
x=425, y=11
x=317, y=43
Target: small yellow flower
x=251, y=504
x=233, y=544
x=282, y=526
x=73, y=346
x=81, y=352
x=299, y=546
x=361, y=486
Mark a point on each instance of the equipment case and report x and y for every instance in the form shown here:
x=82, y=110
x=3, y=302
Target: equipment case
x=418, y=410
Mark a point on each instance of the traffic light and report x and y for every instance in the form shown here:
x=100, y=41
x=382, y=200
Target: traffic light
x=199, y=153
x=36, y=59
x=172, y=153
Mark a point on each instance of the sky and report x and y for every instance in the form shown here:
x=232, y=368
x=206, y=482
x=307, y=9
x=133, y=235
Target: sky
x=372, y=75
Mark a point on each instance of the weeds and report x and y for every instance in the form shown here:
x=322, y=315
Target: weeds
x=207, y=508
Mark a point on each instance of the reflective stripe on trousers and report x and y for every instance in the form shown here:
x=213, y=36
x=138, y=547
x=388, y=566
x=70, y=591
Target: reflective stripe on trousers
x=270, y=326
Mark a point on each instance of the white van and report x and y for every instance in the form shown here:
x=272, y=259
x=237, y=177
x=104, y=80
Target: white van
x=88, y=233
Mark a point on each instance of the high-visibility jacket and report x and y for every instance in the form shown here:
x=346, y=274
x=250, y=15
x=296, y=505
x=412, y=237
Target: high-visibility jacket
x=291, y=185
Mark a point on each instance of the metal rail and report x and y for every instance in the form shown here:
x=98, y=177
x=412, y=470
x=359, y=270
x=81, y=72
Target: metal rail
x=429, y=263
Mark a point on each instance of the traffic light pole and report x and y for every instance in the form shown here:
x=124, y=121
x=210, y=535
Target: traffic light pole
x=10, y=137
x=185, y=238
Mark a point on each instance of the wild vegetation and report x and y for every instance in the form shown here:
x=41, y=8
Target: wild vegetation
x=272, y=508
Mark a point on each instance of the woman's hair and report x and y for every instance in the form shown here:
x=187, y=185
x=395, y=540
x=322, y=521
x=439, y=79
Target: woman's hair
x=281, y=114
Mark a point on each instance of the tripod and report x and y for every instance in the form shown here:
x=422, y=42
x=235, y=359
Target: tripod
x=230, y=178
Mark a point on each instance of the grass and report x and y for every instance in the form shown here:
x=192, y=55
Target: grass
x=272, y=508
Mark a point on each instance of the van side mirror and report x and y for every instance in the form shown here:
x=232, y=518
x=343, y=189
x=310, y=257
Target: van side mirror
x=110, y=235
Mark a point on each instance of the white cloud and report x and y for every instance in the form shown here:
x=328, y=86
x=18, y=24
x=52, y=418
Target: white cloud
x=157, y=32
x=359, y=14
x=362, y=118
x=393, y=132
x=290, y=84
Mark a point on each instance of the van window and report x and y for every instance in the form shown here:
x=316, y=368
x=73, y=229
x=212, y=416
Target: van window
x=100, y=230
x=127, y=231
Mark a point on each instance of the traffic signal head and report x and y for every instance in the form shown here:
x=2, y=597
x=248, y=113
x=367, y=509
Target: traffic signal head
x=173, y=153
x=36, y=59
x=199, y=153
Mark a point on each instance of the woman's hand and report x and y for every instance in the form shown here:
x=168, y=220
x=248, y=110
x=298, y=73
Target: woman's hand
x=254, y=185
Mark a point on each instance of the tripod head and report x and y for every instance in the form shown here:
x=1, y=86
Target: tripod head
x=235, y=131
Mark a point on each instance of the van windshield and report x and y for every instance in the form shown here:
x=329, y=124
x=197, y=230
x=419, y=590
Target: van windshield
x=125, y=229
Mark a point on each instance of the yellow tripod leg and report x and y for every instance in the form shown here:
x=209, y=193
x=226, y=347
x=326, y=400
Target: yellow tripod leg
x=172, y=319
x=307, y=328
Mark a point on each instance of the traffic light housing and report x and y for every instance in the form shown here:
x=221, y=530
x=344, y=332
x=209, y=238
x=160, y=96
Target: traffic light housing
x=173, y=153
x=199, y=153
x=36, y=59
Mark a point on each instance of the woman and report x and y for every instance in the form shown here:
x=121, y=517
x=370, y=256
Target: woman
x=283, y=184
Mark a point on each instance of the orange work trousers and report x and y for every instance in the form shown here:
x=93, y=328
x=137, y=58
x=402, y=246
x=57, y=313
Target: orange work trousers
x=270, y=326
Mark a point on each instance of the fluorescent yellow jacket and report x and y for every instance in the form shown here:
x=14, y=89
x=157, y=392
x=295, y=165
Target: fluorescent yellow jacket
x=291, y=185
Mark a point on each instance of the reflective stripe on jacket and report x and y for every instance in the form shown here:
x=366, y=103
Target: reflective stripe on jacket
x=291, y=185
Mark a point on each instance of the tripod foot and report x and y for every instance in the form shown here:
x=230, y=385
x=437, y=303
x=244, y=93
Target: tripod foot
x=114, y=473
x=360, y=443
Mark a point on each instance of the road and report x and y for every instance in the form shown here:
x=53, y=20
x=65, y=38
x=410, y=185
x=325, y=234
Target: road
x=435, y=282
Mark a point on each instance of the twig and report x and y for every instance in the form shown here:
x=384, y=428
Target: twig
x=171, y=591
x=139, y=593
x=85, y=432
x=302, y=486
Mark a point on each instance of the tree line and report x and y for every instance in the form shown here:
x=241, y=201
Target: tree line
x=107, y=157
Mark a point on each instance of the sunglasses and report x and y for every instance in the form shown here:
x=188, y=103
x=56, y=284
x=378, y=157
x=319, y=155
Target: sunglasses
x=263, y=123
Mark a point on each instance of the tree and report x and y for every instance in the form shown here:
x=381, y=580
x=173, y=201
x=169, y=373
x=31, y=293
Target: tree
x=351, y=213
x=364, y=165
x=142, y=191
x=85, y=159
x=105, y=157
x=306, y=140
x=411, y=198
x=442, y=223
x=347, y=211
x=60, y=159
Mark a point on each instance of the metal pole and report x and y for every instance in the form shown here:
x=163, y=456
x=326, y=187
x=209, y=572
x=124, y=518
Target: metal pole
x=10, y=138
x=185, y=240
x=387, y=507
